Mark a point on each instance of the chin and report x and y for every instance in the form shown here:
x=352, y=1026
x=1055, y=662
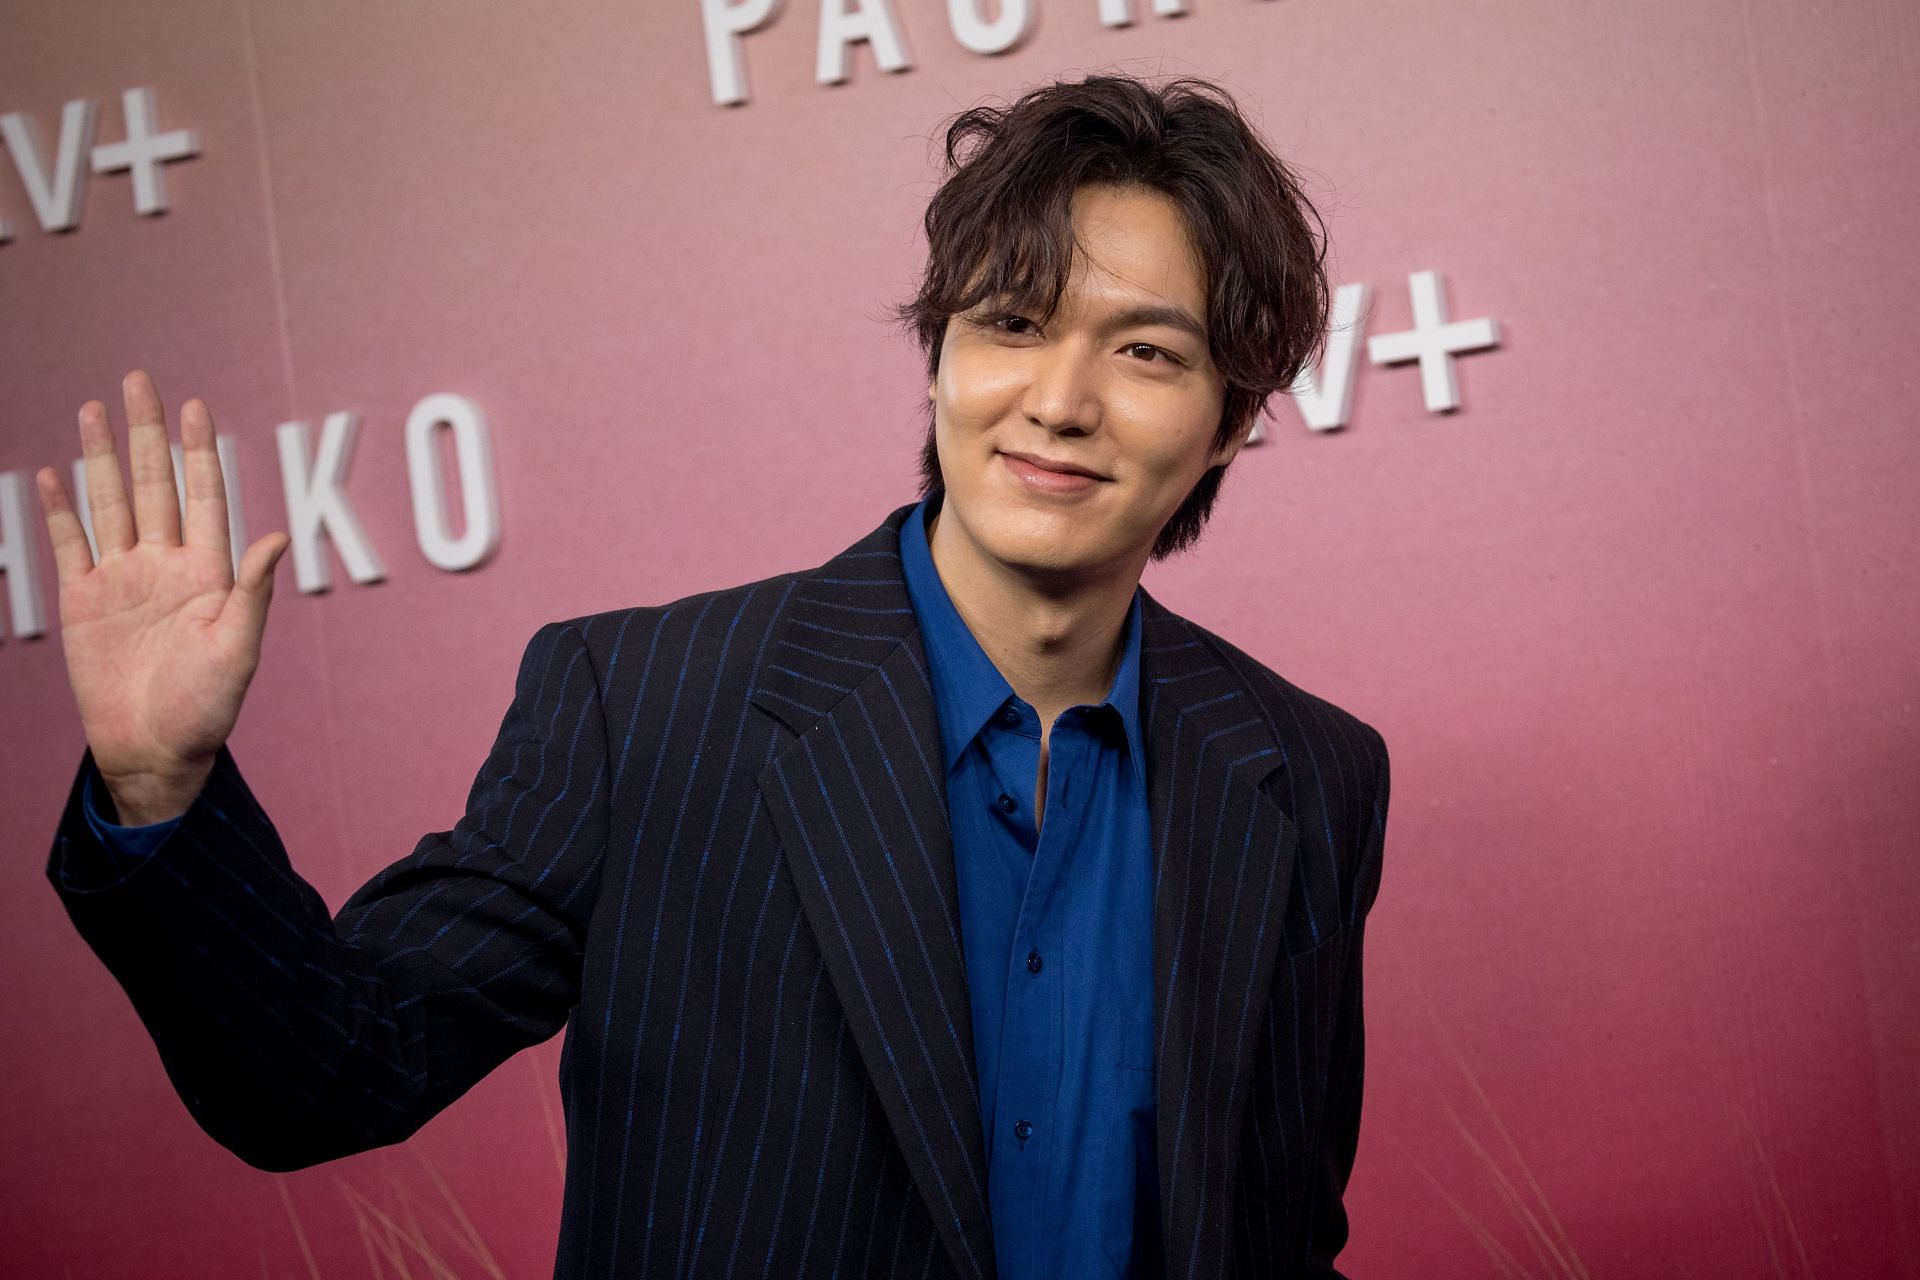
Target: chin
x=1036, y=555
x=1040, y=541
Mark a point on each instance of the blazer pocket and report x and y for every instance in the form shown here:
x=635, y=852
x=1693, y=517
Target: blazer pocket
x=1313, y=917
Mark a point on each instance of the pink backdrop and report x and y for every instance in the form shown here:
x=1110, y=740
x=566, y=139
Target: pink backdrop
x=1636, y=620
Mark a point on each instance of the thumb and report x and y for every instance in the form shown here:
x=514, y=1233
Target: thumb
x=246, y=607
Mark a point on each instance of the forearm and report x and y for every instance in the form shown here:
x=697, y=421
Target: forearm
x=294, y=1038
x=231, y=961
x=288, y=1044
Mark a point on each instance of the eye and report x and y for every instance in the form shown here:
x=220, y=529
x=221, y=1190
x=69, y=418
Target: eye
x=1010, y=323
x=1151, y=351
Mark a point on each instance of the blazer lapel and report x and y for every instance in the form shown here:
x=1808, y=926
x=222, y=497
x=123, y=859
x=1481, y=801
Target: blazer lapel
x=860, y=806
x=1223, y=868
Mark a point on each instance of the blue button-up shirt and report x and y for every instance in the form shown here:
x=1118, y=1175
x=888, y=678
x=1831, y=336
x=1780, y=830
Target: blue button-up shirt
x=133, y=842
x=1057, y=928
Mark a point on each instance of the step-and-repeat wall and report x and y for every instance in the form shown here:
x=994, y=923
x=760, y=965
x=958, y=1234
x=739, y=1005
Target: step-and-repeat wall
x=1601, y=508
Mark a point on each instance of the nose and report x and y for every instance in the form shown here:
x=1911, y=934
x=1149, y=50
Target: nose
x=1062, y=392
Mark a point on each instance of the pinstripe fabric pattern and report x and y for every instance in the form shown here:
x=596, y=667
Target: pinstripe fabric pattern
x=710, y=841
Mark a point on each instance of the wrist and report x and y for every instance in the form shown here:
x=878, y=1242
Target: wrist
x=142, y=799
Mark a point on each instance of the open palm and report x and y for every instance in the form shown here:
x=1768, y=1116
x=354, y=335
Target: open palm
x=161, y=639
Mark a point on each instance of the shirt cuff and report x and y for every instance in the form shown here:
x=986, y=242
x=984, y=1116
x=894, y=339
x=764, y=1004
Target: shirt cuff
x=135, y=842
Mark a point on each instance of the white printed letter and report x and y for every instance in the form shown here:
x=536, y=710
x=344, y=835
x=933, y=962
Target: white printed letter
x=1434, y=341
x=477, y=496
x=315, y=503
x=145, y=151
x=1324, y=392
x=230, y=477
x=870, y=20
x=978, y=35
x=16, y=558
x=1119, y=13
x=56, y=197
x=726, y=21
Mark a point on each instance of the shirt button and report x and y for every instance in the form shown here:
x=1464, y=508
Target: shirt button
x=1022, y=1130
x=1009, y=717
x=1007, y=803
x=1033, y=962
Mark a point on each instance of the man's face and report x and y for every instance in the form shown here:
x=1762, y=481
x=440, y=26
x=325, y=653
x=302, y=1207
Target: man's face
x=1066, y=446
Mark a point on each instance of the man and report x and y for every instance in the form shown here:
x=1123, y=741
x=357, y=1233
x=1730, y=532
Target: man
x=950, y=909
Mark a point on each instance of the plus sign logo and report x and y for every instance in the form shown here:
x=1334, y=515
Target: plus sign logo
x=1324, y=392
x=58, y=189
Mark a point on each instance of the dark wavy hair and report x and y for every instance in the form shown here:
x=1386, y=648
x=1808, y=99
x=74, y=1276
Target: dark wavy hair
x=1001, y=226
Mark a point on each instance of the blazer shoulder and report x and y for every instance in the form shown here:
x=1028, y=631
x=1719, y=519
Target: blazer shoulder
x=1296, y=714
x=598, y=628
x=722, y=638
x=1333, y=779
x=693, y=630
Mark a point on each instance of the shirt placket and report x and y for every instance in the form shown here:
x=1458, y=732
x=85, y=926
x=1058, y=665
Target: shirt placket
x=1026, y=1146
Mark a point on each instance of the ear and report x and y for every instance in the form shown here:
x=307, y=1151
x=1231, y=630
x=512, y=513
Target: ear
x=931, y=394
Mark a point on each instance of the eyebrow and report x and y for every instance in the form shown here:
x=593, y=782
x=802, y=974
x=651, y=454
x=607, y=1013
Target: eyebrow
x=1166, y=314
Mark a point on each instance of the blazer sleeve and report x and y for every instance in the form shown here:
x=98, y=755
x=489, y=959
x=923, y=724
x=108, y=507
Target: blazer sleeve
x=1346, y=1068
x=294, y=1037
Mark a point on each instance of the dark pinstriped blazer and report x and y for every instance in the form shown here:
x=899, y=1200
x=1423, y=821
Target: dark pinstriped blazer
x=711, y=842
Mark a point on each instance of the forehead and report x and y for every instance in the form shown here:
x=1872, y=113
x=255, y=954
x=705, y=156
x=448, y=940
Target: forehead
x=1126, y=250
x=1134, y=239
x=1129, y=250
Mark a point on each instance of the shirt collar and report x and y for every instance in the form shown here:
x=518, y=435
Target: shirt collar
x=967, y=688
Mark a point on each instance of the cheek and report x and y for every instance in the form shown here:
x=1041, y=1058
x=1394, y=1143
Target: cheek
x=975, y=384
x=1172, y=459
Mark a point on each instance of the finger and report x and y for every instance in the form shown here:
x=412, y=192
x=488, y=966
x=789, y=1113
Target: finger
x=206, y=517
x=106, y=492
x=245, y=611
x=156, y=502
x=72, y=558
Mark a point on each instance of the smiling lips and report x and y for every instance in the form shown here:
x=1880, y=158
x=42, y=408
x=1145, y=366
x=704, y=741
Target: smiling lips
x=1045, y=475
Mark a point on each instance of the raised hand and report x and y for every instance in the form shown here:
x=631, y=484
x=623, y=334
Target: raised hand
x=161, y=639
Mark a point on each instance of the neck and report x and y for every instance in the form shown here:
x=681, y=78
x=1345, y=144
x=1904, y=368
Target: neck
x=1057, y=642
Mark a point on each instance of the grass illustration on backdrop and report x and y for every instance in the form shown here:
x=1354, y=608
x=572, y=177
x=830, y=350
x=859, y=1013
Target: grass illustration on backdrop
x=411, y=1233
x=1527, y=1206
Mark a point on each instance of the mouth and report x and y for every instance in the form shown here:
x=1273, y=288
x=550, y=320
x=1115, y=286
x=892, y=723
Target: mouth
x=1050, y=475
x=1056, y=466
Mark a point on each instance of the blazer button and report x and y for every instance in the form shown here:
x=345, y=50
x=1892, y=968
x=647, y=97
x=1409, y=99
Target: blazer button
x=1033, y=962
x=1022, y=1130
